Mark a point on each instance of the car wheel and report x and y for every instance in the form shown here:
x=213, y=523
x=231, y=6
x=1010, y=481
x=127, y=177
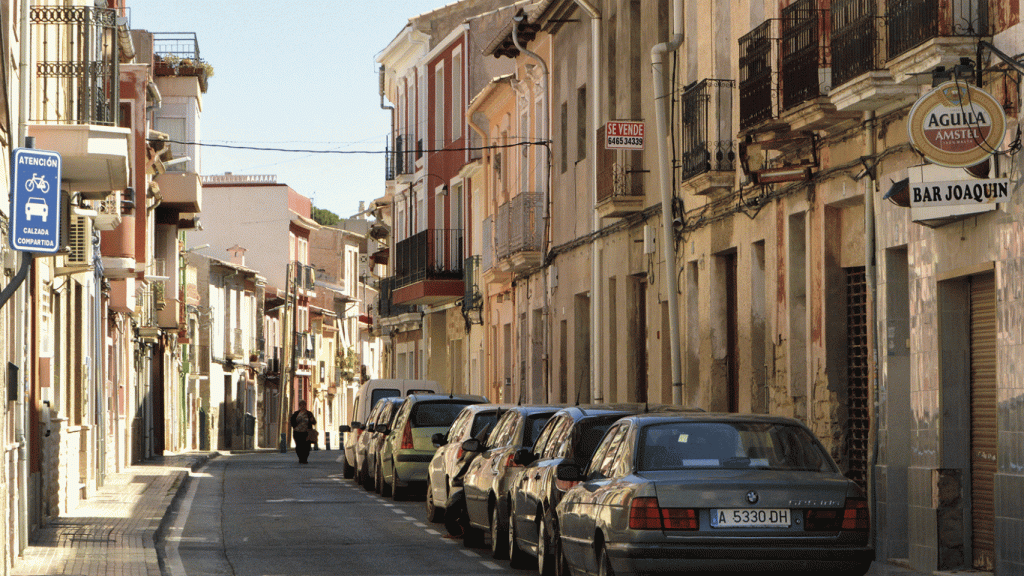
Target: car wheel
x=499, y=537
x=397, y=491
x=545, y=556
x=472, y=537
x=604, y=564
x=434, y=514
x=347, y=471
x=455, y=515
x=516, y=557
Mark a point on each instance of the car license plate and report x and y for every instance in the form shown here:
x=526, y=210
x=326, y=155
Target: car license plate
x=749, y=517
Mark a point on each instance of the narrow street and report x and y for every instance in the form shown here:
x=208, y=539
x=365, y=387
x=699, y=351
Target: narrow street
x=265, y=514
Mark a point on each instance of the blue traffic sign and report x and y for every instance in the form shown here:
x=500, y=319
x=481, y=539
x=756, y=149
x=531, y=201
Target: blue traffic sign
x=35, y=201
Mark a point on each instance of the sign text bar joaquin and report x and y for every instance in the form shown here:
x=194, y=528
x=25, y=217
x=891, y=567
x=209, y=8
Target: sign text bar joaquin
x=959, y=192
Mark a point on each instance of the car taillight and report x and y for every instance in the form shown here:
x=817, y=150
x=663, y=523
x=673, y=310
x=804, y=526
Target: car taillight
x=565, y=485
x=407, y=437
x=358, y=433
x=645, y=514
x=854, y=517
x=458, y=455
x=509, y=463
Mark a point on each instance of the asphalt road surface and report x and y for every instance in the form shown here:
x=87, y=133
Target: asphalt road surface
x=265, y=514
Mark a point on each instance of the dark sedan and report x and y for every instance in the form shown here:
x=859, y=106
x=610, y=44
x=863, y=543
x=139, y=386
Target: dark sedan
x=573, y=434
x=489, y=478
x=712, y=492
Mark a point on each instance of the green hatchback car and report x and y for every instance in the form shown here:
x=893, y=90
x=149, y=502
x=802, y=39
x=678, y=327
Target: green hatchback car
x=408, y=445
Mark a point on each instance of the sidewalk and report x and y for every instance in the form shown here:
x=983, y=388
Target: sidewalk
x=113, y=532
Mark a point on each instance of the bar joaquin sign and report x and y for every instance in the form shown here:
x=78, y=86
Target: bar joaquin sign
x=956, y=125
x=959, y=193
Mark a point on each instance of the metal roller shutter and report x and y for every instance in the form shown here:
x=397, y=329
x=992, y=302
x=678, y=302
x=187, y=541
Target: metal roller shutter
x=984, y=428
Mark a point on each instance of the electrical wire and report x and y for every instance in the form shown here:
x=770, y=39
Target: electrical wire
x=312, y=151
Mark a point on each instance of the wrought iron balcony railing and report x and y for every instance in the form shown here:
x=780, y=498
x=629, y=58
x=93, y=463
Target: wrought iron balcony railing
x=910, y=23
x=856, y=39
x=433, y=254
x=400, y=160
x=520, y=225
x=385, y=304
x=474, y=298
x=487, y=231
x=77, y=63
x=706, y=127
x=757, y=76
x=804, y=56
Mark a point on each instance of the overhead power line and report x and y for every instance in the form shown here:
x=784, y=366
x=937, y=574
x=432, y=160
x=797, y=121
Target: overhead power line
x=312, y=151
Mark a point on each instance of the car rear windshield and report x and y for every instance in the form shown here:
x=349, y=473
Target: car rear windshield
x=435, y=414
x=534, y=424
x=379, y=393
x=484, y=420
x=767, y=445
x=588, y=436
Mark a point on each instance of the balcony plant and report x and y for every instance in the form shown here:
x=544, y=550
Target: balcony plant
x=171, y=65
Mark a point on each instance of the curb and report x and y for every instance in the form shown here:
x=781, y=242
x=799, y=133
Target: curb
x=182, y=481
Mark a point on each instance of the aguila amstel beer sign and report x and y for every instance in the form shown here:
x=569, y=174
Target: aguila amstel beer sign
x=956, y=125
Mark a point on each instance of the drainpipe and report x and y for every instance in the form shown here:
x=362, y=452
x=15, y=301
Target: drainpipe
x=661, y=96
x=595, y=251
x=544, y=132
x=870, y=149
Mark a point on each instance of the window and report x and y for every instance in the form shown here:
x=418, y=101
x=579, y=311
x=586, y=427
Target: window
x=456, y=95
x=581, y=123
x=439, y=120
x=175, y=130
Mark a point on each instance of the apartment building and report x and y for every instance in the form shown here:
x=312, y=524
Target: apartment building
x=760, y=241
x=428, y=72
x=274, y=233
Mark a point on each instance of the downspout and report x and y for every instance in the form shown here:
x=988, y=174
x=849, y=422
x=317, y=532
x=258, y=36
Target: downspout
x=597, y=395
x=665, y=182
x=870, y=149
x=544, y=130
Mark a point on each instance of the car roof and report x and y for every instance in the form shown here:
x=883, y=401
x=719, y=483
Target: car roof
x=583, y=411
x=646, y=419
x=471, y=398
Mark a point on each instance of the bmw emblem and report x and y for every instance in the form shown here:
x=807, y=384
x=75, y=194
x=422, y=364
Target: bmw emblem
x=752, y=497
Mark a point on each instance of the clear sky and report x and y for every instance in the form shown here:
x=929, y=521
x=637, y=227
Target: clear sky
x=297, y=74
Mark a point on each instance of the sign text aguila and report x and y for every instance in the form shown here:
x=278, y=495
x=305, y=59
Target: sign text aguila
x=956, y=125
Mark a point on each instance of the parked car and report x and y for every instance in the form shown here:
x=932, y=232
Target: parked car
x=366, y=398
x=712, y=491
x=470, y=423
x=369, y=443
x=408, y=445
x=488, y=481
x=571, y=434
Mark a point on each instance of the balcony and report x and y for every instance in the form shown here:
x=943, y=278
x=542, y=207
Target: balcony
x=400, y=161
x=924, y=34
x=473, y=301
x=429, y=267
x=620, y=185
x=708, y=153
x=74, y=110
x=861, y=81
x=518, y=240
x=806, y=73
x=758, y=80
x=387, y=307
x=180, y=191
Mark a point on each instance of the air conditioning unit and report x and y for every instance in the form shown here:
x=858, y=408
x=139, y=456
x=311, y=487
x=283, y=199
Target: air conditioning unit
x=80, y=241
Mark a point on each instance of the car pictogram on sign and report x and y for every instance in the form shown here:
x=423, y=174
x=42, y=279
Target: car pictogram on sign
x=35, y=206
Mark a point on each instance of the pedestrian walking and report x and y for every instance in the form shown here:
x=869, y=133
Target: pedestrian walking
x=303, y=431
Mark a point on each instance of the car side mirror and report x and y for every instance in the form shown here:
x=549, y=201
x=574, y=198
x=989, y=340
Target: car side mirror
x=523, y=457
x=472, y=445
x=569, y=472
x=382, y=428
x=343, y=429
x=439, y=439
x=358, y=426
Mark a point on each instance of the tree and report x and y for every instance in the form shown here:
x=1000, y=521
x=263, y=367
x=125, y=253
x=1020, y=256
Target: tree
x=325, y=217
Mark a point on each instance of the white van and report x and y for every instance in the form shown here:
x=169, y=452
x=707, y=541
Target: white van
x=367, y=396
